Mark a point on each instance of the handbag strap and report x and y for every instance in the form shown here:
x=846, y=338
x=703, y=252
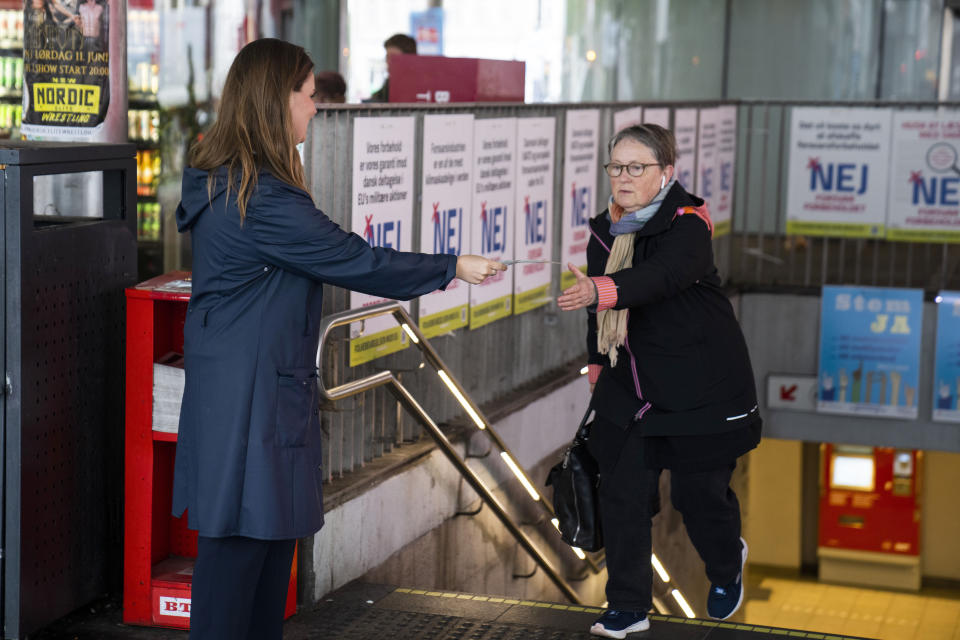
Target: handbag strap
x=583, y=431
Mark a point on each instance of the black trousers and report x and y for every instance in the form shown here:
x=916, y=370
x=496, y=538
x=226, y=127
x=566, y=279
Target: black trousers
x=240, y=588
x=628, y=501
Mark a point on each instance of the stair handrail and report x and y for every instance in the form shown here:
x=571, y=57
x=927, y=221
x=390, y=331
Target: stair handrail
x=403, y=395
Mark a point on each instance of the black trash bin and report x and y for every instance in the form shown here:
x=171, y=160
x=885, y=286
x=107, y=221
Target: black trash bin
x=70, y=249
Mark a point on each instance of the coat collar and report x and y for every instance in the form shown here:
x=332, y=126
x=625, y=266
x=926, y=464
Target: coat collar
x=676, y=198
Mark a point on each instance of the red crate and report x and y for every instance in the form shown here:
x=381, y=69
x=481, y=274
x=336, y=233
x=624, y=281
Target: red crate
x=159, y=550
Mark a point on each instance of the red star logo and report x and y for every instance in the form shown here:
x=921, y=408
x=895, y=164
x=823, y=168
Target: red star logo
x=526, y=204
x=916, y=177
x=483, y=211
x=814, y=163
x=436, y=213
x=368, y=230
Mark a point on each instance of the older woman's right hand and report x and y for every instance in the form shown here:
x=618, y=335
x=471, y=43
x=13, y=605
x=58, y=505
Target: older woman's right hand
x=476, y=269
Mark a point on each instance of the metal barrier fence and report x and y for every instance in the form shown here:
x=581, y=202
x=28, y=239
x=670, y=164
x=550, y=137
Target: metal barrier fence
x=763, y=256
x=498, y=358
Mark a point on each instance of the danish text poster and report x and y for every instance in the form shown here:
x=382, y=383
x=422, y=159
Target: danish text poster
x=726, y=158
x=627, y=118
x=837, y=181
x=946, y=368
x=707, y=183
x=657, y=115
x=870, y=351
x=491, y=228
x=685, y=130
x=533, y=231
x=579, y=188
x=445, y=214
x=383, y=215
x=924, y=186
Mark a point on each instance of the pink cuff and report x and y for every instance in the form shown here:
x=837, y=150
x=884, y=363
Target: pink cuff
x=593, y=372
x=606, y=292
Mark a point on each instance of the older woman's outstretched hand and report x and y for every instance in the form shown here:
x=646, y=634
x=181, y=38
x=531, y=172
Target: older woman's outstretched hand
x=582, y=294
x=476, y=269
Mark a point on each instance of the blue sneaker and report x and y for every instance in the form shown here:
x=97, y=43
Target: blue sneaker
x=617, y=624
x=724, y=600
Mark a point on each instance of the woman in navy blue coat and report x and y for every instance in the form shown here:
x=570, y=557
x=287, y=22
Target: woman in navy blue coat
x=248, y=466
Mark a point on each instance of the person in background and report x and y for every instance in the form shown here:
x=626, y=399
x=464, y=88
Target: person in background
x=396, y=44
x=248, y=461
x=670, y=375
x=330, y=88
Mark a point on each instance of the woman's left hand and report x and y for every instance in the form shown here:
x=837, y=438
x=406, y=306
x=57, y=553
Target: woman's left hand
x=580, y=295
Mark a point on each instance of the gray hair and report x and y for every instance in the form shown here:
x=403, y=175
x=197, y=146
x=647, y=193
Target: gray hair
x=659, y=140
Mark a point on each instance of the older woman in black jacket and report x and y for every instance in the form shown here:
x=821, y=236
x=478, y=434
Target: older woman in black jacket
x=670, y=374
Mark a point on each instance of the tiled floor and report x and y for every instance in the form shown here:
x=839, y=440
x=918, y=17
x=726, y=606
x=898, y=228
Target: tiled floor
x=779, y=599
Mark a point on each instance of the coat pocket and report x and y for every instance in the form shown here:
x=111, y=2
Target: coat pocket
x=296, y=405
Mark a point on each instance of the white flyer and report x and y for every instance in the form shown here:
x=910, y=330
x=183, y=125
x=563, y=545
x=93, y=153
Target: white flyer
x=657, y=115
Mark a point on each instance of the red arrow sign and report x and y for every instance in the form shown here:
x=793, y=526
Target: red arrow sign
x=786, y=393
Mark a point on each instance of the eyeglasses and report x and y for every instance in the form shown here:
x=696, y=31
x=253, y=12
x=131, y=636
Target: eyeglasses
x=635, y=169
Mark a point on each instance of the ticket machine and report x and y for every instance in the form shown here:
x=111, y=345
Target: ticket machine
x=870, y=516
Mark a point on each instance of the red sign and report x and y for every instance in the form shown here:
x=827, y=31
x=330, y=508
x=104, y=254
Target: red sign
x=437, y=79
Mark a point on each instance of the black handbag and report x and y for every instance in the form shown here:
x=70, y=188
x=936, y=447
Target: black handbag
x=575, y=480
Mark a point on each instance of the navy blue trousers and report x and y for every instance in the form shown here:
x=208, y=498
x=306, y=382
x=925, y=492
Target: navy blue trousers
x=240, y=588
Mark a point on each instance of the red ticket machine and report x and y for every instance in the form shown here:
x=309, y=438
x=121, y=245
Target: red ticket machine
x=870, y=516
x=438, y=79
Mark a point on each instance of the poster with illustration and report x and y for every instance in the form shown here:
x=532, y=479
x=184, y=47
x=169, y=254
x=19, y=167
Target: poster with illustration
x=924, y=184
x=492, y=214
x=837, y=173
x=946, y=367
x=383, y=215
x=66, y=68
x=445, y=213
x=870, y=351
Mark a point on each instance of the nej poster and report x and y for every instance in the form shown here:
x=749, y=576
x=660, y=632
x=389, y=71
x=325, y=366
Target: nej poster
x=870, y=351
x=924, y=186
x=706, y=183
x=627, y=118
x=580, y=160
x=445, y=214
x=657, y=115
x=383, y=215
x=946, y=368
x=837, y=182
x=722, y=212
x=533, y=231
x=685, y=131
x=491, y=229
x=66, y=68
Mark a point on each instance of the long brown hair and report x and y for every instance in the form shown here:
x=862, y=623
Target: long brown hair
x=253, y=128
